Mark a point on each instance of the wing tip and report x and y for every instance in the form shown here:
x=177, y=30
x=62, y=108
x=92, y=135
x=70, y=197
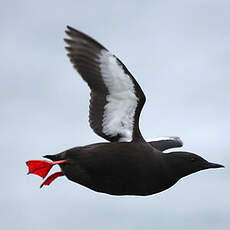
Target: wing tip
x=179, y=141
x=73, y=33
x=70, y=31
x=175, y=139
x=69, y=28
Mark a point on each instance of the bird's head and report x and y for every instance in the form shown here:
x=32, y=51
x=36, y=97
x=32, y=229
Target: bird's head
x=184, y=163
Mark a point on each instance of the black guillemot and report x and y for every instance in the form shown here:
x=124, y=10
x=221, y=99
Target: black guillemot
x=127, y=164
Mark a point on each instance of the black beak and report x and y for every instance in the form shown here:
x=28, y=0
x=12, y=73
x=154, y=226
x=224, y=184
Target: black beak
x=213, y=165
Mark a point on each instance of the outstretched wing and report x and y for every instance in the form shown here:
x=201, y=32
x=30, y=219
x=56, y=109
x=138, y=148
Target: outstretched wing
x=116, y=98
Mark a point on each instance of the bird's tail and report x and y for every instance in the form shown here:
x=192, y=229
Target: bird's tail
x=56, y=157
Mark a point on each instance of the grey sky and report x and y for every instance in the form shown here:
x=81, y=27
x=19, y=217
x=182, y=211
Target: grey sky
x=179, y=52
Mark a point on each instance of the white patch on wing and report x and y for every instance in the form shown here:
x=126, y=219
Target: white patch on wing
x=118, y=117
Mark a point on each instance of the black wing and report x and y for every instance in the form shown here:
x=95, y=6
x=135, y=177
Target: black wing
x=116, y=98
x=164, y=143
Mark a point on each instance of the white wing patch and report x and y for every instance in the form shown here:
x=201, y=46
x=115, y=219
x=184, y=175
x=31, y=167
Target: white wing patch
x=118, y=117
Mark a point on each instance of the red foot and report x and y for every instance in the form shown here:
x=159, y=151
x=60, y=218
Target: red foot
x=51, y=178
x=42, y=167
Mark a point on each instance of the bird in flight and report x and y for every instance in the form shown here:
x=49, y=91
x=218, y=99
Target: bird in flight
x=127, y=164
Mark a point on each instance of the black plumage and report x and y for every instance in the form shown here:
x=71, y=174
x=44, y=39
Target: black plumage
x=134, y=168
x=128, y=164
x=84, y=53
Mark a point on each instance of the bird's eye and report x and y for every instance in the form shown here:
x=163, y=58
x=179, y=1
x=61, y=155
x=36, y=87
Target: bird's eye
x=193, y=159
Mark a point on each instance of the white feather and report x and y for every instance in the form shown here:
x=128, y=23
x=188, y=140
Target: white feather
x=118, y=117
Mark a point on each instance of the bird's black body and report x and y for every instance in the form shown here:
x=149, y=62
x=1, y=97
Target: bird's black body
x=127, y=165
x=117, y=168
x=134, y=168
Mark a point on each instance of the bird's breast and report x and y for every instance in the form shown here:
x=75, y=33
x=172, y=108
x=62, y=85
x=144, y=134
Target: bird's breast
x=117, y=173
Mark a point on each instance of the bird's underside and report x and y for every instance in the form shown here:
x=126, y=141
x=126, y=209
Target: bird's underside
x=108, y=168
x=42, y=167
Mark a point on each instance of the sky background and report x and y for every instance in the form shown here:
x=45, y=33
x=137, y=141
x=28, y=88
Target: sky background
x=178, y=51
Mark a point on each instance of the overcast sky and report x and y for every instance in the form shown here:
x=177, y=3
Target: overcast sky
x=178, y=51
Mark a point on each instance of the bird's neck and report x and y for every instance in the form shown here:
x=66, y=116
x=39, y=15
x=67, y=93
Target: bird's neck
x=176, y=168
